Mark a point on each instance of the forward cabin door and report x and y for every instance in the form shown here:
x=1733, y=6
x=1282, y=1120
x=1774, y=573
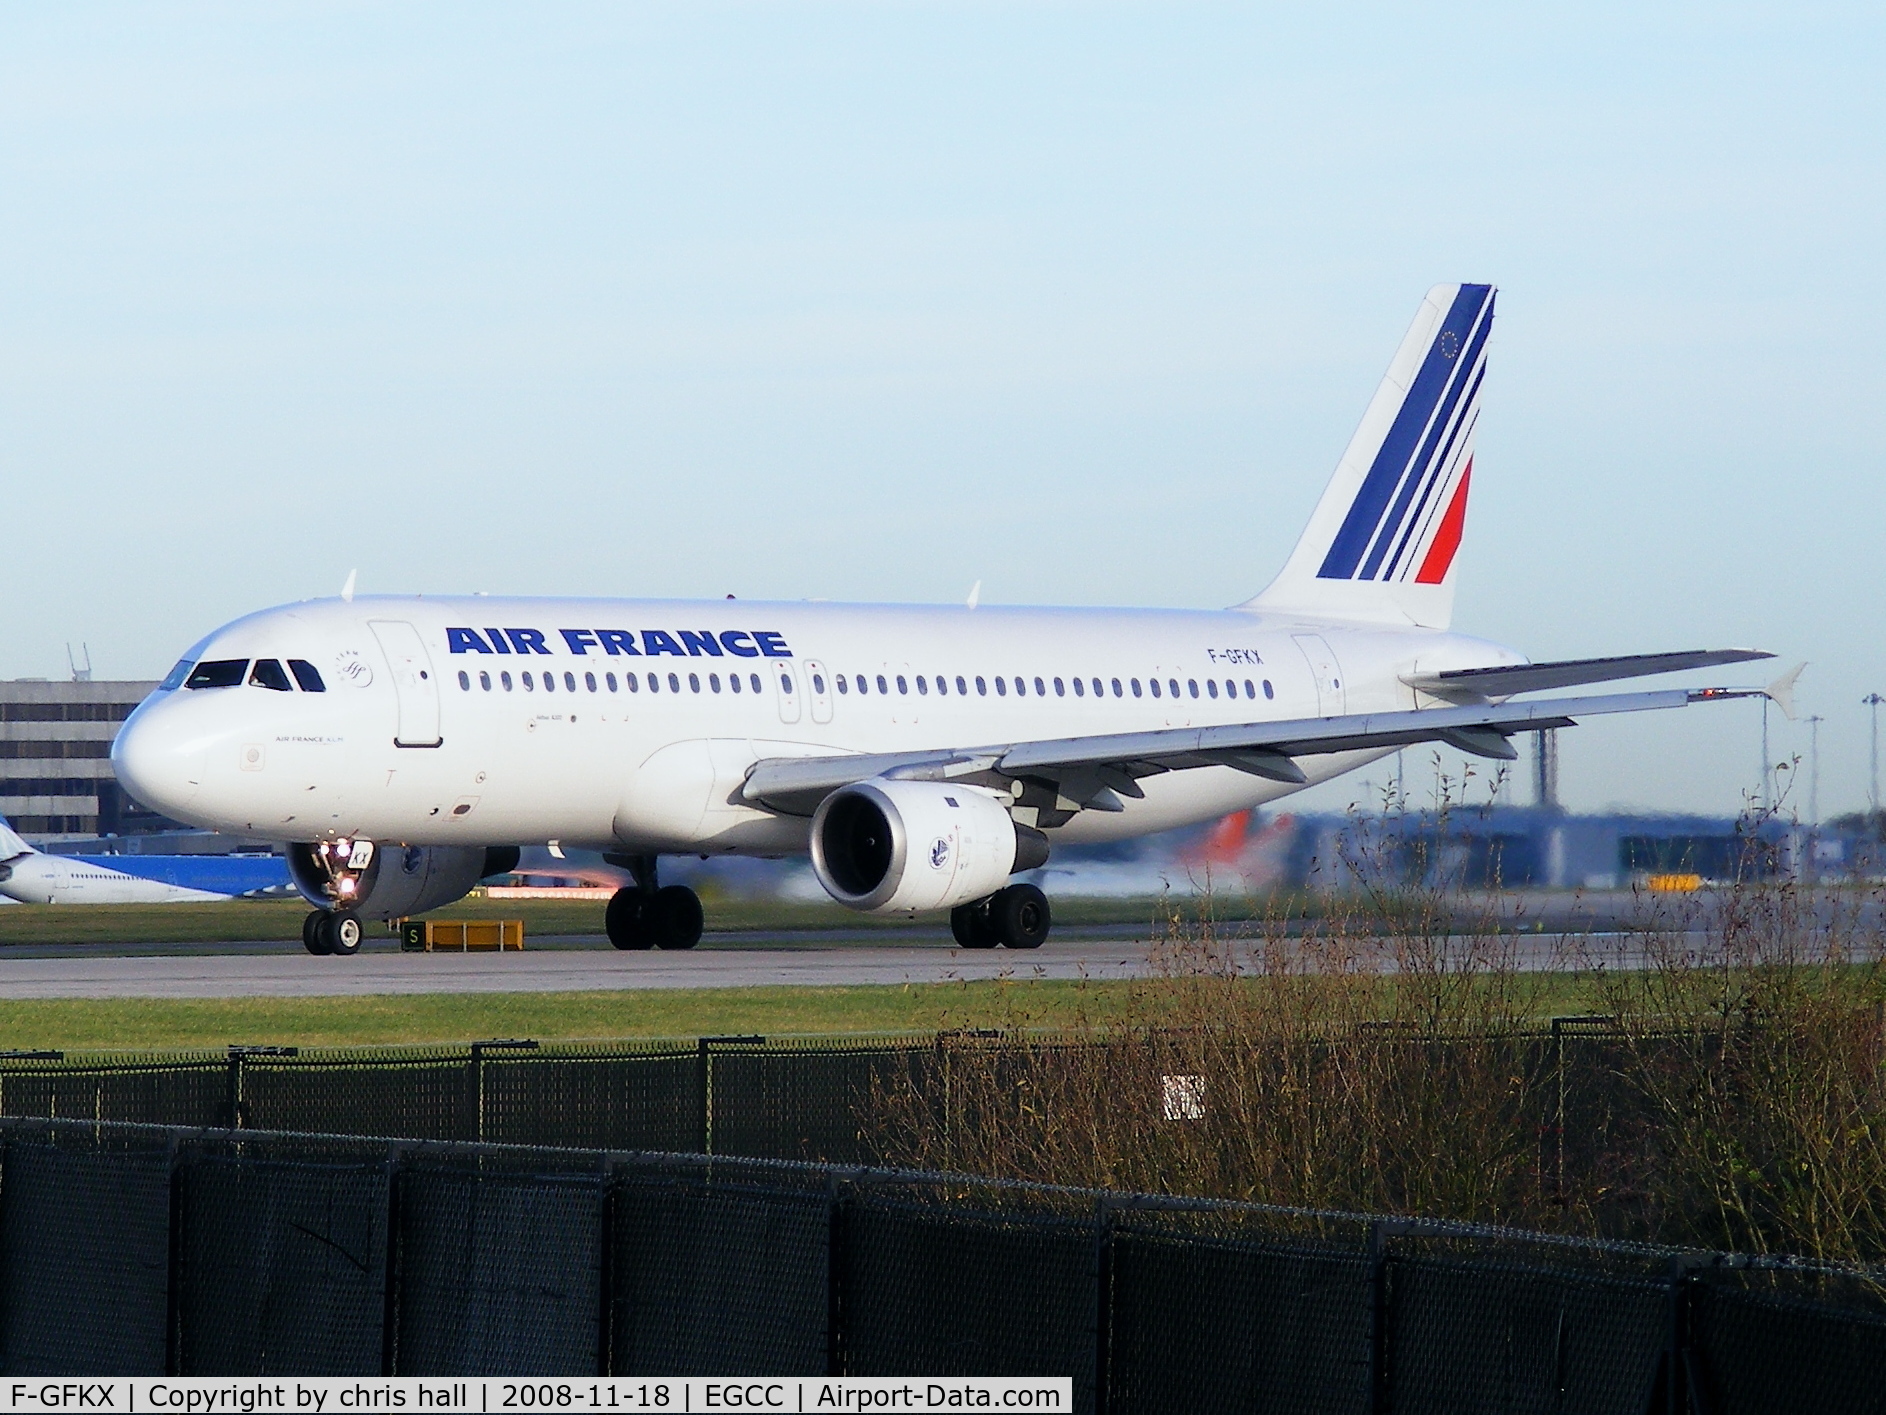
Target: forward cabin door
x=413, y=683
x=1326, y=672
x=786, y=685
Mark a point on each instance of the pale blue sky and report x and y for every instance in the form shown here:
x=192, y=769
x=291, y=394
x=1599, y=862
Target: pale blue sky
x=873, y=301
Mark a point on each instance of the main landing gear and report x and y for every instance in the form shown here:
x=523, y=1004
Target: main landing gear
x=1016, y=917
x=646, y=915
x=332, y=931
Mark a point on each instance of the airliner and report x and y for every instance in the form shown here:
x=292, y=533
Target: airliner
x=403, y=748
x=28, y=876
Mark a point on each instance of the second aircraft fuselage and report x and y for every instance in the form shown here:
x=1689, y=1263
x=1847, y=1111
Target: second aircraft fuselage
x=631, y=724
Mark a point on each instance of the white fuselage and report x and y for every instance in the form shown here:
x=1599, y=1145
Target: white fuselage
x=416, y=737
x=56, y=879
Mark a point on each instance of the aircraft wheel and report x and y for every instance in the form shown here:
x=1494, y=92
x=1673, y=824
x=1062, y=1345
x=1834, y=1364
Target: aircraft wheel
x=971, y=925
x=625, y=920
x=1020, y=916
x=342, y=932
x=312, y=937
x=675, y=917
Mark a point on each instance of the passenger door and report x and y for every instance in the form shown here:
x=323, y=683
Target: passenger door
x=413, y=683
x=786, y=685
x=1326, y=672
x=819, y=690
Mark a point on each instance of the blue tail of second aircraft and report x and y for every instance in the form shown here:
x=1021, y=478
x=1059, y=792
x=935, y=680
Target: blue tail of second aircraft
x=1381, y=545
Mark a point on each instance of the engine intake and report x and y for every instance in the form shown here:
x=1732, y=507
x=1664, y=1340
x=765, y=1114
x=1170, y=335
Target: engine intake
x=890, y=846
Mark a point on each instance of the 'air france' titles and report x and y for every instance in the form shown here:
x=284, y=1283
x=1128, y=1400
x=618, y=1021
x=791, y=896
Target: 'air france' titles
x=682, y=643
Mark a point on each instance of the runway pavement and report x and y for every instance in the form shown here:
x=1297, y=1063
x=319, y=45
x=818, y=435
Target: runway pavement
x=842, y=959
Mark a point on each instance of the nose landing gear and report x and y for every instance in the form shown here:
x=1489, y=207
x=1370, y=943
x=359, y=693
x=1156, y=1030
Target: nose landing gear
x=646, y=915
x=332, y=931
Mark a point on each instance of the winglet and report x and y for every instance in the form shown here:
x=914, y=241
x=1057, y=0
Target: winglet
x=347, y=590
x=1781, y=691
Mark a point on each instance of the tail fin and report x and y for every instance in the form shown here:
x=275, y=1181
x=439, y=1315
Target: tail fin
x=1380, y=545
x=11, y=846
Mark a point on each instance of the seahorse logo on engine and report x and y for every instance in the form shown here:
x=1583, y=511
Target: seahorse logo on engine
x=939, y=852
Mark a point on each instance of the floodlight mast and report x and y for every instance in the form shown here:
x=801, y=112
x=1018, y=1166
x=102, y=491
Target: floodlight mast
x=1873, y=700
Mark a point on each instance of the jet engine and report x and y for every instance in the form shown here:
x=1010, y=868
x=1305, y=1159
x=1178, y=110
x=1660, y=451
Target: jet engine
x=886, y=846
x=392, y=881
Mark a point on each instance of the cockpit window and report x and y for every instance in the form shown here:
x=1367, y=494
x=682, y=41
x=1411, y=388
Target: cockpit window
x=268, y=673
x=173, y=680
x=221, y=673
x=307, y=675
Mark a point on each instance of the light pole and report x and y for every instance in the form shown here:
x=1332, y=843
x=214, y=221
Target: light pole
x=1814, y=769
x=1873, y=700
x=1767, y=796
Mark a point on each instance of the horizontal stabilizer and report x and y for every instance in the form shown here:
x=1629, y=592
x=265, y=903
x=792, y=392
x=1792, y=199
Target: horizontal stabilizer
x=1475, y=684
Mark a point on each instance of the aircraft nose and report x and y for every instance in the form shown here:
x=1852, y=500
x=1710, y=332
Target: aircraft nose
x=159, y=759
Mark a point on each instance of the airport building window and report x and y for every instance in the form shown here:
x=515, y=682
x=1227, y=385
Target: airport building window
x=505, y=679
x=307, y=675
x=754, y=679
x=464, y=680
x=1153, y=683
x=694, y=682
x=1211, y=686
x=962, y=688
x=268, y=673
x=484, y=681
x=223, y=673
x=1269, y=692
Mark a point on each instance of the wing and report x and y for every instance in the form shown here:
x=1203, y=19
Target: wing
x=1071, y=774
x=1476, y=685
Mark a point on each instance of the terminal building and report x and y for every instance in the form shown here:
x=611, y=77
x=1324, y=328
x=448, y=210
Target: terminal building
x=56, y=781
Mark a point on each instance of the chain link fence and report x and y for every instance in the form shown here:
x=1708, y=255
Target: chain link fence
x=138, y=1249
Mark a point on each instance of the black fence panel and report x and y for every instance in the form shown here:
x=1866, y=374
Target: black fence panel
x=809, y=1103
x=636, y=1102
x=157, y=1093
x=934, y=1288
x=84, y=1259
x=281, y=1267
x=1767, y=1350
x=418, y=1098
x=1208, y=1316
x=1467, y=1336
x=718, y=1277
x=499, y=1274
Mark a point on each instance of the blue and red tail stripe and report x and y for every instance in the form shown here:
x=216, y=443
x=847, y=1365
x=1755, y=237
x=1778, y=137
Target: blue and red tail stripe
x=1384, y=524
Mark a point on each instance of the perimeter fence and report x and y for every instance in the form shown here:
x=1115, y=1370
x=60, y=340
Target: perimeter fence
x=148, y=1250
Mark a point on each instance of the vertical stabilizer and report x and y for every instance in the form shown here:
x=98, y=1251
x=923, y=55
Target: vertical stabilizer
x=1380, y=546
x=11, y=846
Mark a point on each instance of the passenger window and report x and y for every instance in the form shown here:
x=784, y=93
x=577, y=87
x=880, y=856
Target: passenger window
x=1001, y=687
x=307, y=675
x=1021, y=687
x=883, y=687
x=982, y=688
x=942, y=686
x=654, y=683
x=550, y=682
x=1192, y=686
x=1116, y=689
x=1172, y=686
x=1231, y=688
x=1250, y=689
x=484, y=681
x=713, y=681
x=530, y=684
x=785, y=684
x=923, y=688
x=694, y=682
x=902, y=686
x=754, y=680
x=841, y=684
x=1060, y=688
x=1153, y=683
x=632, y=682
x=1211, y=686
x=733, y=681
x=505, y=679
x=1269, y=692
x=268, y=673
x=962, y=688
x=464, y=680
x=1080, y=687
x=223, y=673
x=1100, y=690
x=610, y=679
x=674, y=682
x=864, y=685
x=589, y=681
x=1134, y=684
x=1041, y=689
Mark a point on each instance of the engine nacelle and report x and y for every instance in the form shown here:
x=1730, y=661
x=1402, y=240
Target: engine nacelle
x=897, y=845
x=392, y=881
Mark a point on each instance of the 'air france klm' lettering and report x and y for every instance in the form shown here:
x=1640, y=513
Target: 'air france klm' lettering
x=615, y=643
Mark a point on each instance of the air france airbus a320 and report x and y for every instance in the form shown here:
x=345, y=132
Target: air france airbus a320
x=405, y=748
